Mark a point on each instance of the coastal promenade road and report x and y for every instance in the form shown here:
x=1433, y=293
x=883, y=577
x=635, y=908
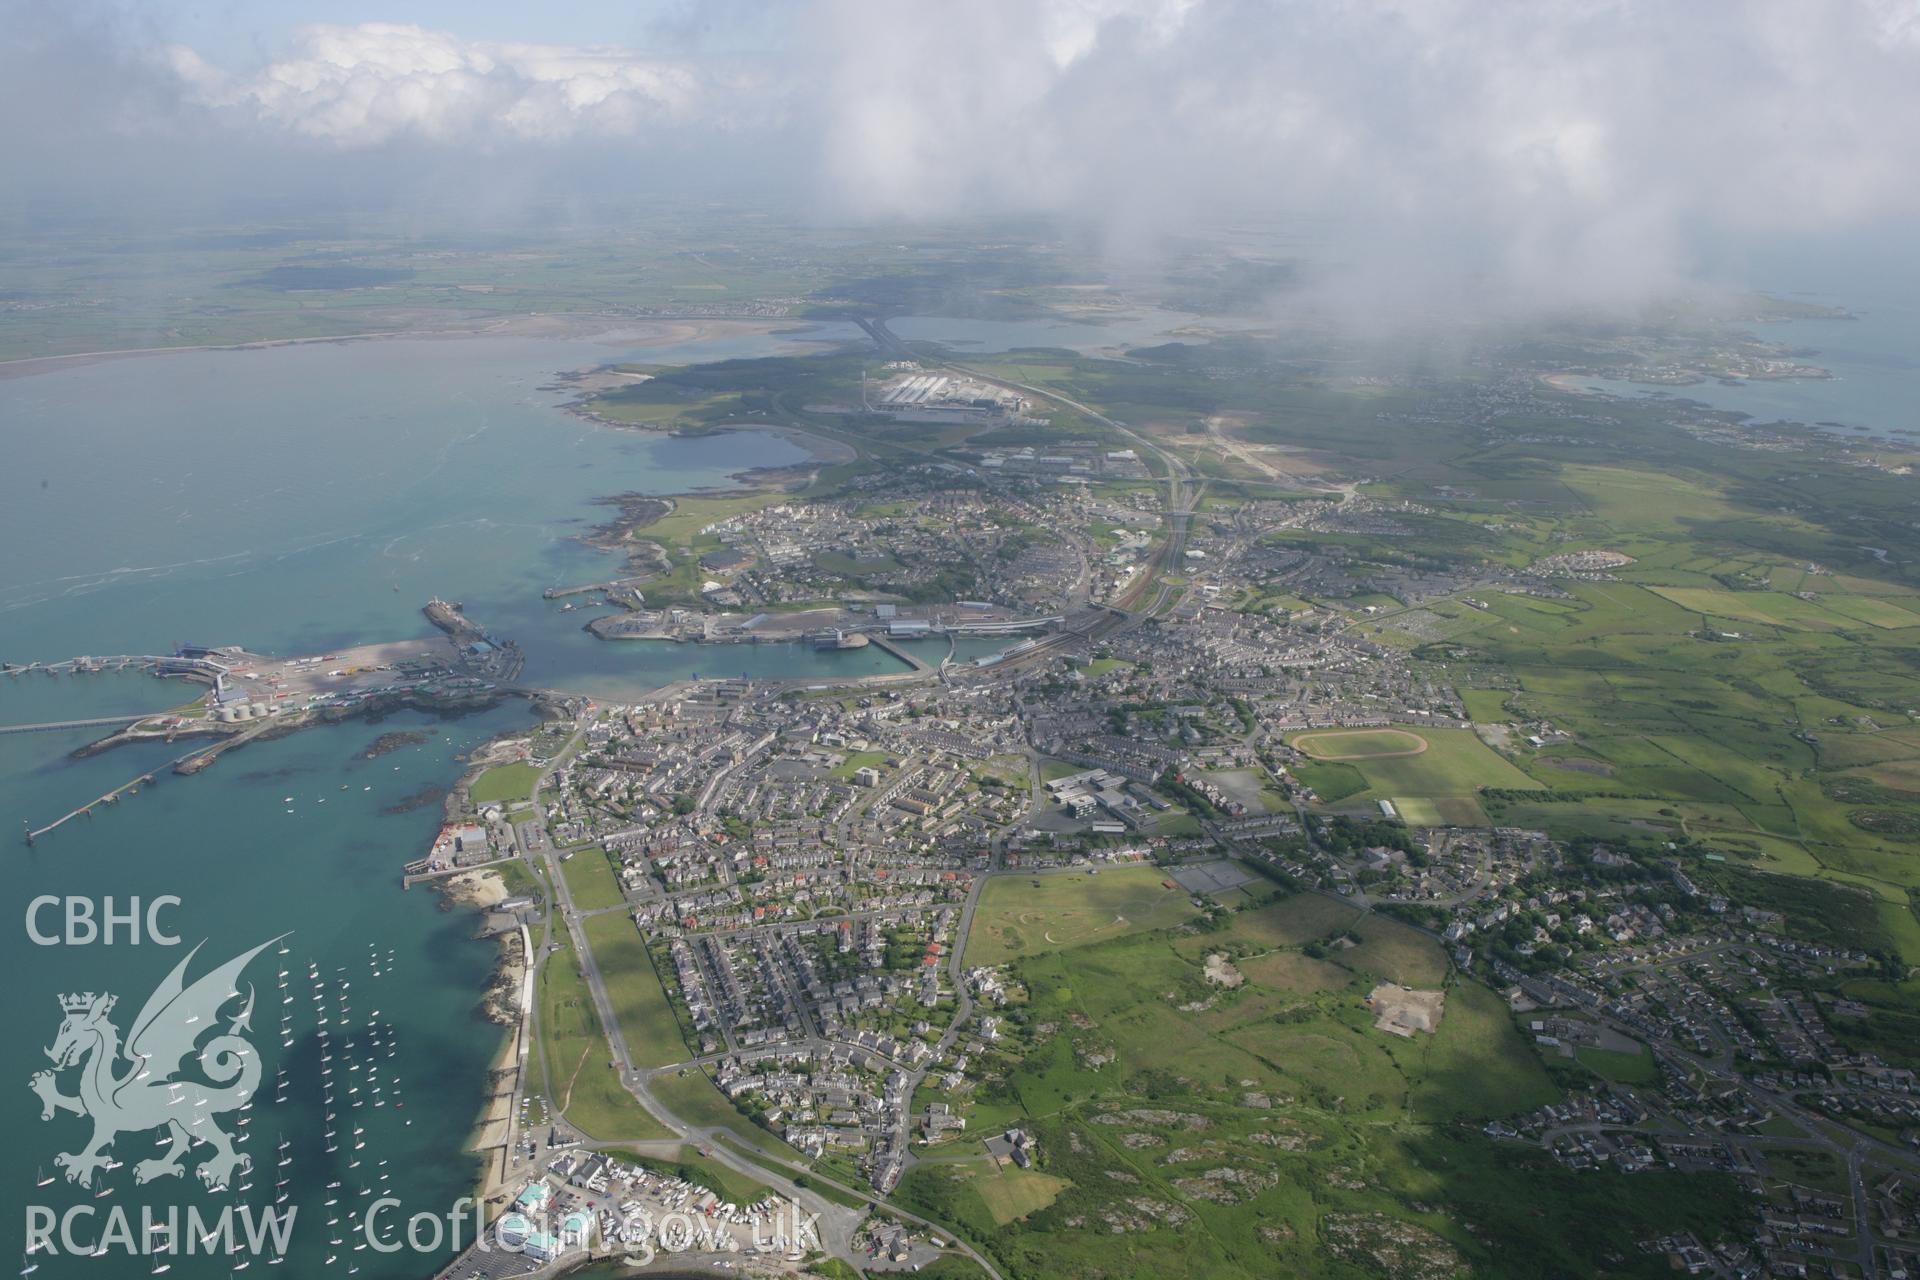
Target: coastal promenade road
x=534, y=1048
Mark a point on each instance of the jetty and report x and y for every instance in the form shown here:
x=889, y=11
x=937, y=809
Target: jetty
x=82, y=665
x=86, y=810
x=190, y=763
x=191, y=660
x=97, y=722
x=482, y=652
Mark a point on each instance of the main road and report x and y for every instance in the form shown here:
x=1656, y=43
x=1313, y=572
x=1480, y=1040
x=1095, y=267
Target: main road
x=837, y=1223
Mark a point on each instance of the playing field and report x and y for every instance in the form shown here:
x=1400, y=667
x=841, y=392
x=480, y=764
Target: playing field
x=1020, y=914
x=1421, y=811
x=1359, y=744
x=591, y=881
x=1434, y=785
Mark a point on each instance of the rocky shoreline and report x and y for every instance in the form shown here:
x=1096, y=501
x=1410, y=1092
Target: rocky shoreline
x=643, y=558
x=479, y=891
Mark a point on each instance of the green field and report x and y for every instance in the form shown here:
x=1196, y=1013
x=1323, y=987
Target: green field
x=1331, y=780
x=1290, y=922
x=576, y=1063
x=1423, y=811
x=858, y=760
x=1054, y=770
x=1776, y=609
x=1871, y=609
x=639, y=1004
x=1142, y=1080
x=1393, y=951
x=1624, y=1068
x=1009, y=1193
x=1433, y=777
x=521, y=879
x=1020, y=914
x=591, y=880
x=504, y=783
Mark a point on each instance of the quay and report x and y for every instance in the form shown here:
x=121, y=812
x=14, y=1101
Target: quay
x=912, y=660
x=612, y=584
x=192, y=762
x=411, y=877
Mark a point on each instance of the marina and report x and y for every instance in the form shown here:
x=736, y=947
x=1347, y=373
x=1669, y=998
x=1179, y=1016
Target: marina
x=324, y=1046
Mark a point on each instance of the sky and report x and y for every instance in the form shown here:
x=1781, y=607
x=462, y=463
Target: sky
x=1598, y=149
x=241, y=30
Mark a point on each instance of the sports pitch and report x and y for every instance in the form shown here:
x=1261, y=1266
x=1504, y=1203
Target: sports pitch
x=1359, y=744
x=1020, y=915
x=1432, y=777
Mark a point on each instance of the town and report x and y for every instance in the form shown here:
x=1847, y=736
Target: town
x=816, y=876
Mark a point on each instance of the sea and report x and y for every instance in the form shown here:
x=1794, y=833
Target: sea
x=291, y=500
x=294, y=499
x=1145, y=326
x=1873, y=355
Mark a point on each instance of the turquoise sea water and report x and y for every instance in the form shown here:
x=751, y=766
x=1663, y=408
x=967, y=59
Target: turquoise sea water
x=291, y=500
x=266, y=844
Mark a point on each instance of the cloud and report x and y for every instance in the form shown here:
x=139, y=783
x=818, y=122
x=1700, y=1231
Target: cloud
x=1580, y=143
x=1594, y=149
x=373, y=84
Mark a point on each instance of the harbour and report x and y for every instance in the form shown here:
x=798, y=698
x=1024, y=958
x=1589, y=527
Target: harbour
x=312, y=831
x=281, y=848
x=300, y=831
